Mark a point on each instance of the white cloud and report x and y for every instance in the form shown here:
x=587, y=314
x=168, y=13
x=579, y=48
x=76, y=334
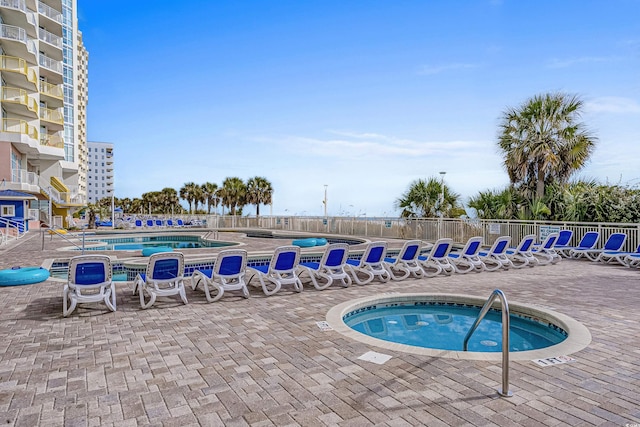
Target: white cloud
x=429, y=70
x=569, y=62
x=613, y=104
x=380, y=146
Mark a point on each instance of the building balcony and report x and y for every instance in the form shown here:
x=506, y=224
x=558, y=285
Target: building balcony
x=17, y=101
x=16, y=72
x=50, y=13
x=51, y=90
x=54, y=140
x=50, y=63
x=16, y=42
x=20, y=127
x=15, y=12
x=49, y=38
x=50, y=44
x=52, y=116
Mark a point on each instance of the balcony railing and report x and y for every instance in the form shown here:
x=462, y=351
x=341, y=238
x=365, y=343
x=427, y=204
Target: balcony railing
x=49, y=12
x=18, y=65
x=50, y=38
x=51, y=115
x=18, y=96
x=54, y=91
x=14, y=4
x=54, y=140
x=22, y=176
x=50, y=63
x=20, y=127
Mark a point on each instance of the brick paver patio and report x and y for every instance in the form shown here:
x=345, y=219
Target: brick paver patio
x=264, y=361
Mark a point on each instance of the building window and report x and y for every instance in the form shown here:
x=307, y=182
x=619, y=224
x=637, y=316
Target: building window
x=7, y=210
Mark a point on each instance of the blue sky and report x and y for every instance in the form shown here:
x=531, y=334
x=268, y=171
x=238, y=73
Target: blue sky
x=361, y=96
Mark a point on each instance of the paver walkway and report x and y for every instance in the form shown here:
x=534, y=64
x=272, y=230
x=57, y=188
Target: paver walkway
x=264, y=361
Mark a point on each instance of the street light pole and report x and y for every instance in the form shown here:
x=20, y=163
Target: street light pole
x=325, y=200
x=442, y=174
x=441, y=204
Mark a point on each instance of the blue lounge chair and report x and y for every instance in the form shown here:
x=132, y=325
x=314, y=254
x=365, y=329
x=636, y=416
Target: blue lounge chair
x=615, y=242
x=406, y=263
x=281, y=270
x=370, y=264
x=227, y=274
x=588, y=241
x=620, y=257
x=522, y=256
x=632, y=260
x=330, y=268
x=467, y=259
x=496, y=257
x=437, y=260
x=164, y=276
x=89, y=280
x=545, y=252
x=564, y=238
x=150, y=224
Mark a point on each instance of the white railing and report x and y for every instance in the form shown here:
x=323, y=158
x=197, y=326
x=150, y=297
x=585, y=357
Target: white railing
x=50, y=38
x=11, y=229
x=50, y=63
x=427, y=229
x=14, y=4
x=13, y=33
x=22, y=176
x=49, y=12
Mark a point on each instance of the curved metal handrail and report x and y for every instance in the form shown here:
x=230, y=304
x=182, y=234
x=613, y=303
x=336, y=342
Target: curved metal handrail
x=504, y=391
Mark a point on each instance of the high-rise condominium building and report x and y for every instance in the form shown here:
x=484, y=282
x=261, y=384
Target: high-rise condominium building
x=43, y=96
x=100, y=171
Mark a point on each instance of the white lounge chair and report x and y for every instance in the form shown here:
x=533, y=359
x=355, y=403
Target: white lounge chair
x=545, y=252
x=227, y=274
x=371, y=264
x=89, y=280
x=330, y=268
x=164, y=277
x=406, y=263
x=588, y=241
x=467, y=260
x=437, y=260
x=620, y=257
x=615, y=242
x=521, y=256
x=281, y=270
x=496, y=257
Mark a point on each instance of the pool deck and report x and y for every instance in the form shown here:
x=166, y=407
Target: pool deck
x=265, y=362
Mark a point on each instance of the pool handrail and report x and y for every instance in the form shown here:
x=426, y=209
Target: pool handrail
x=504, y=391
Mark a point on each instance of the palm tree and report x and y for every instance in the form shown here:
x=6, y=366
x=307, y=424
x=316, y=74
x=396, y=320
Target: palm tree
x=169, y=200
x=188, y=193
x=233, y=194
x=497, y=204
x=543, y=141
x=259, y=191
x=210, y=193
x=198, y=197
x=423, y=199
x=152, y=200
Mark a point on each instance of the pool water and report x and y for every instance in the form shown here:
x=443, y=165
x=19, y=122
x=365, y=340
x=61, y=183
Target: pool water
x=142, y=242
x=444, y=327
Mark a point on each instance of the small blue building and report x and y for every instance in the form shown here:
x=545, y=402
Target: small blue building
x=14, y=209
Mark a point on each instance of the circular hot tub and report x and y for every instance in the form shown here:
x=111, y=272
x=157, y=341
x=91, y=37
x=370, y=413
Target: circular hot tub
x=436, y=324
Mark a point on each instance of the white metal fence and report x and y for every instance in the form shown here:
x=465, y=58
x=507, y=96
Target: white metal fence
x=429, y=229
